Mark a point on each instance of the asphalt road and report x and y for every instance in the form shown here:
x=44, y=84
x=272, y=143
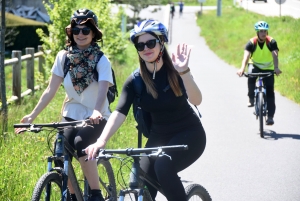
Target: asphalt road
x=237, y=164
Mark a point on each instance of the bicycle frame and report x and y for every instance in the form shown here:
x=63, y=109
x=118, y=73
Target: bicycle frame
x=260, y=105
x=61, y=154
x=137, y=183
x=137, y=176
x=260, y=88
x=68, y=170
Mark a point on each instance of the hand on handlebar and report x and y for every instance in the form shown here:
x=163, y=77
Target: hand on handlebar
x=96, y=117
x=93, y=149
x=277, y=71
x=240, y=72
x=25, y=119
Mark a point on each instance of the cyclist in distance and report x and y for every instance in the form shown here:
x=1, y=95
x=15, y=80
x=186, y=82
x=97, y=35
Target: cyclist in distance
x=172, y=9
x=86, y=98
x=167, y=84
x=261, y=55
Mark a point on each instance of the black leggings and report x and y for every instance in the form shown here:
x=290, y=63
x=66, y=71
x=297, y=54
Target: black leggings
x=165, y=170
x=268, y=82
x=81, y=138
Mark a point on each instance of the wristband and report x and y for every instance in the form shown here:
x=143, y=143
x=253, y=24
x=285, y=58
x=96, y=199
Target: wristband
x=184, y=72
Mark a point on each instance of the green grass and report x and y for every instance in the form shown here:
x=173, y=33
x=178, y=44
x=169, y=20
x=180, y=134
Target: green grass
x=227, y=36
x=23, y=157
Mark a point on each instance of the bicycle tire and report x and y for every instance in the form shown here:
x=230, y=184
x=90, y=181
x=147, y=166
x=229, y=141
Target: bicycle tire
x=261, y=114
x=107, y=180
x=54, y=179
x=197, y=192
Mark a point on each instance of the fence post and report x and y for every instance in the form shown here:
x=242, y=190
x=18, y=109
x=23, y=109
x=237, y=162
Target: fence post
x=30, y=69
x=41, y=61
x=17, y=75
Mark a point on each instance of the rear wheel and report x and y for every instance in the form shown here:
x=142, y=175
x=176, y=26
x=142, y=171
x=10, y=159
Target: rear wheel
x=261, y=113
x=197, y=192
x=48, y=187
x=107, y=180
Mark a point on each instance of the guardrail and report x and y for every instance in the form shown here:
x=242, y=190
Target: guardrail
x=16, y=62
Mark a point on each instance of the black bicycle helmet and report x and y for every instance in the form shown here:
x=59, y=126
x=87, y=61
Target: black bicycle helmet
x=81, y=16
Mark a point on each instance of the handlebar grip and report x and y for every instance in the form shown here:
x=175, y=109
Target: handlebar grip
x=25, y=125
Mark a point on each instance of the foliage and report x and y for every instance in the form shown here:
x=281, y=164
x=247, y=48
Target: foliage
x=237, y=27
x=60, y=12
x=24, y=157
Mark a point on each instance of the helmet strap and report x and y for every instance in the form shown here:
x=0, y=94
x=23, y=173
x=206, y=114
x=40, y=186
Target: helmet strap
x=155, y=66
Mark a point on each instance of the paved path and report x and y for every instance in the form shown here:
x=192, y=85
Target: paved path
x=237, y=164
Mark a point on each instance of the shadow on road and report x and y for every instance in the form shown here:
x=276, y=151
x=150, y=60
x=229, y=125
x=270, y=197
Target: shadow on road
x=272, y=135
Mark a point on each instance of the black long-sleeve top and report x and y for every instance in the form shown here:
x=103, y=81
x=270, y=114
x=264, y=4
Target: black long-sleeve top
x=169, y=113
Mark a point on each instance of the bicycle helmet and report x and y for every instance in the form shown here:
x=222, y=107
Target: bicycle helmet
x=149, y=26
x=81, y=16
x=261, y=25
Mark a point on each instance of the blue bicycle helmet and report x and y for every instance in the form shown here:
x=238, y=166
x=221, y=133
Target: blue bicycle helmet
x=149, y=26
x=261, y=25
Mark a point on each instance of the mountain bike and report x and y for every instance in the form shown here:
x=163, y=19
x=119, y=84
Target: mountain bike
x=260, y=102
x=136, y=189
x=52, y=186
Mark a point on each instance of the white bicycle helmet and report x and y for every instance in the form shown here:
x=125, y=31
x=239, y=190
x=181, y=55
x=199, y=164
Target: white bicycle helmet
x=261, y=25
x=149, y=26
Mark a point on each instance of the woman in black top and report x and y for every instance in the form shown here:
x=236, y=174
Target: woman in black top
x=174, y=122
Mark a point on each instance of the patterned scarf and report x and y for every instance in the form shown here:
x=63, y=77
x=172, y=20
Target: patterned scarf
x=82, y=65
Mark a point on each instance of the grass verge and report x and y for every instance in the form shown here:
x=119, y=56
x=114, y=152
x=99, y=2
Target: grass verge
x=24, y=157
x=227, y=36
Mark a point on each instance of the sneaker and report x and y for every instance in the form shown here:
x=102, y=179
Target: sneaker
x=251, y=103
x=97, y=197
x=270, y=121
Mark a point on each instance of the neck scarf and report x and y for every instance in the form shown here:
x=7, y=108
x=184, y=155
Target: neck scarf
x=82, y=65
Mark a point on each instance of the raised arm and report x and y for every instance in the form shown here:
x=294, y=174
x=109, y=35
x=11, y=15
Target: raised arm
x=180, y=61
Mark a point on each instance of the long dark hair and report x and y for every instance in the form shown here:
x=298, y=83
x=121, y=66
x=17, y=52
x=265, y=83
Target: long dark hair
x=171, y=71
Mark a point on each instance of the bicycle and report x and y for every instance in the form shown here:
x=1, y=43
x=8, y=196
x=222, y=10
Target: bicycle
x=260, y=103
x=138, y=176
x=52, y=186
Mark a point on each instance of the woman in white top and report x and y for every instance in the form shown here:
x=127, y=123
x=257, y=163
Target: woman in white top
x=85, y=96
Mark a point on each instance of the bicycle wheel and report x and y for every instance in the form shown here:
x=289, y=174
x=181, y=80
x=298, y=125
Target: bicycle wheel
x=48, y=187
x=196, y=192
x=261, y=113
x=107, y=180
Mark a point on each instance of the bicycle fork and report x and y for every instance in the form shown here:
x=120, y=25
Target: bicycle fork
x=136, y=185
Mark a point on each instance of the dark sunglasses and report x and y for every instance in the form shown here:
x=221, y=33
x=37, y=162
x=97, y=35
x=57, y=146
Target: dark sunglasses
x=262, y=31
x=85, y=30
x=150, y=44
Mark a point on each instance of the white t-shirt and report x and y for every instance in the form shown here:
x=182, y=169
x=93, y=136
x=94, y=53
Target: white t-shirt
x=81, y=106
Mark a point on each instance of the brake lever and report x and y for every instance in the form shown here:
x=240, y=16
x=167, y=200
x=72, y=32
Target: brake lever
x=81, y=125
x=159, y=153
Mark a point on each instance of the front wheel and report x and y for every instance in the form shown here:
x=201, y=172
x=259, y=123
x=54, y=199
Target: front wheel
x=261, y=113
x=48, y=187
x=197, y=192
x=107, y=180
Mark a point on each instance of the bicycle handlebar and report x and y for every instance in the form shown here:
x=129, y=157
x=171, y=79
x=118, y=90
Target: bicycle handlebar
x=132, y=151
x=38, y=127
x=267, y=74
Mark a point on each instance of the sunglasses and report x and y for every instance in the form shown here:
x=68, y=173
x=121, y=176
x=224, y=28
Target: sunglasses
x=150, y=44
x=262, y=31
x=84, y=31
